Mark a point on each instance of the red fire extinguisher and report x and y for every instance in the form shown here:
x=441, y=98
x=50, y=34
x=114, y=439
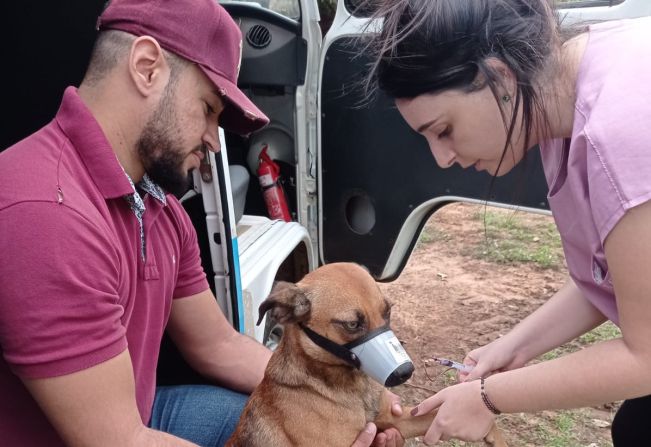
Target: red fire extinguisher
x=272, y=190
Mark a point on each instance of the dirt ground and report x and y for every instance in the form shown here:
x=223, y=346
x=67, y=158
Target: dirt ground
x=448, y=302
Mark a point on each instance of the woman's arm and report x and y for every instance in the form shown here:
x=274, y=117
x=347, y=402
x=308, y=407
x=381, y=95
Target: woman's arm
x=562, y=318
x=566, y=315
x=612, y=370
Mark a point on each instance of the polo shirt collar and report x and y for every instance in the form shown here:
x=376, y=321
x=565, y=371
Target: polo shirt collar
x=150, y=187
x=88, y=139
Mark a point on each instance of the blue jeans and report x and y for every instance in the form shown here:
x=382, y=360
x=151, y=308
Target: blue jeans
x=204, y=414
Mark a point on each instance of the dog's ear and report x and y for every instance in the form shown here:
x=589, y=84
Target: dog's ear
x=287, y=303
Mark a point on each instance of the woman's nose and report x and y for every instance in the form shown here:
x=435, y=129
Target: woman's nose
x=443, y=154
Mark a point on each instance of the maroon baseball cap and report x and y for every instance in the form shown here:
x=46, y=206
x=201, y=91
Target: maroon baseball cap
x=200, y=31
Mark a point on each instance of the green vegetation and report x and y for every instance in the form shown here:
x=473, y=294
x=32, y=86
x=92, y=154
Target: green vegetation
x=562, y=435
x=431, y=234
x=606, y=331
x=512, y=238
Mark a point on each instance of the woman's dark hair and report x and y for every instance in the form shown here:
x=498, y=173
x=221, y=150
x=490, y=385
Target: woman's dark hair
x=428, y=46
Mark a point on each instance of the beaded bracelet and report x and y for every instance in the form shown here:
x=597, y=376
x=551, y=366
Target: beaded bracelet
x=486, y=400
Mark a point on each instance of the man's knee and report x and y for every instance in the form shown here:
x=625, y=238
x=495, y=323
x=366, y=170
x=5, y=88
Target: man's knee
x=204, y=414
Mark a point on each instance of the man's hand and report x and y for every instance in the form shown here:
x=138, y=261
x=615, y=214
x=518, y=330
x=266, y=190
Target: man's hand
x=368, y=438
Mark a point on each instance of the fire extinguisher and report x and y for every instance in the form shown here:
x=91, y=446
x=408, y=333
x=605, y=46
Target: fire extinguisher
x=272, y=190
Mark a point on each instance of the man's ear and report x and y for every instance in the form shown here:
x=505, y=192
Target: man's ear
x=287, y=303
x=148, y=68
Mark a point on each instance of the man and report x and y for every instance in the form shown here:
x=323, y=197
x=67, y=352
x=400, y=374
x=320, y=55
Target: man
x=97, y=260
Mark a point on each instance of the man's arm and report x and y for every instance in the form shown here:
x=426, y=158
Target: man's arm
x=97, y=407
x=212, y=347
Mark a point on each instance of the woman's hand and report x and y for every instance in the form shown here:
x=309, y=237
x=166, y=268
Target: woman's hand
x=492, y=358
x=461, y=414
x=563, y=317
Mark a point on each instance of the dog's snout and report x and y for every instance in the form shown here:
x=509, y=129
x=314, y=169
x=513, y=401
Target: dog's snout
x=400, y=375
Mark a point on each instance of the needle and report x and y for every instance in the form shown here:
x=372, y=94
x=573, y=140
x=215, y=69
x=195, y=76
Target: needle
x=452, y=364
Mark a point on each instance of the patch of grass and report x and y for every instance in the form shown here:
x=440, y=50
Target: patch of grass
x=606, y=331
x=559, y=437
x=425, y=237
x=450, y=377
x=431, y=234
x=510, y=238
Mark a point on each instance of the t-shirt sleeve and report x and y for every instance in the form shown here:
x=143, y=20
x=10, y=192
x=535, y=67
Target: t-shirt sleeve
x=618, y=134
x=60, y=309
x=191, y=278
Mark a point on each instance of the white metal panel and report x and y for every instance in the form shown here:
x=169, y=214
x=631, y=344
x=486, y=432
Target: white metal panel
x=627, y=9
x=264, y=246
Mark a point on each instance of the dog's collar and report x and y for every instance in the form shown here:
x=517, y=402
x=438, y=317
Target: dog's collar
x=342, y=351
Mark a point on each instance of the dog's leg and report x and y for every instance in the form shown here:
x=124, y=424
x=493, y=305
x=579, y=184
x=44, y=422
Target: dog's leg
x=412, y=426
x=408, y=425
x=494, y=437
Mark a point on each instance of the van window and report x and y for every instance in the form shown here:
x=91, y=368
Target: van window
x=288, y=8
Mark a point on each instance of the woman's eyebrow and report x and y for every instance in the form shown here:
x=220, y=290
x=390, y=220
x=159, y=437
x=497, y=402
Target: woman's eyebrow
x=426, y=125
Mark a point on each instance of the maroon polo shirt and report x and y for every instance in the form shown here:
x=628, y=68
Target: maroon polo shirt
x=74, y=288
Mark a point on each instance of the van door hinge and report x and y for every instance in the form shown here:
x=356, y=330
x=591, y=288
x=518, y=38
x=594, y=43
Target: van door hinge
x=310, y=185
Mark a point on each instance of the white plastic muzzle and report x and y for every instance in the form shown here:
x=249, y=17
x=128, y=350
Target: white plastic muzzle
x=382, y=357
x=378, y=354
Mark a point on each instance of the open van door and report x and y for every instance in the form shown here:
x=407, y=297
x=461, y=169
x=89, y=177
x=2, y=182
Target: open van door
x=379, y=182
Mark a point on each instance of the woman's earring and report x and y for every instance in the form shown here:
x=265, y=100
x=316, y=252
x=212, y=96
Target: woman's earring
x=506, y=98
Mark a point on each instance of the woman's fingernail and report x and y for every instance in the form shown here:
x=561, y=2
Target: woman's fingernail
x=414, y=411
x=369, y=428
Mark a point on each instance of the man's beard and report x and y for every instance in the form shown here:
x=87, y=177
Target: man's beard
x=161, y=150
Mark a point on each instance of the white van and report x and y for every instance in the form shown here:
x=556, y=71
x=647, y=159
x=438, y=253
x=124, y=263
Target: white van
x=360, y=184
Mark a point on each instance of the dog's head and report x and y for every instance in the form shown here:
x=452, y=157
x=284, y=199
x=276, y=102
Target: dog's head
x=344, y=319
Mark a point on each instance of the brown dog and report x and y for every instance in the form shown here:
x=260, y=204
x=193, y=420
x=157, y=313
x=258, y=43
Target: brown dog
x=310, y=396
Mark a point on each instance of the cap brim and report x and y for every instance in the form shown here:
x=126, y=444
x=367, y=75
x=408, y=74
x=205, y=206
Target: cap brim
x=240, y=115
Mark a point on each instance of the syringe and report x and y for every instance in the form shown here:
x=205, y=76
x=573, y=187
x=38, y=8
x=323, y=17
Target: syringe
x=452, y=364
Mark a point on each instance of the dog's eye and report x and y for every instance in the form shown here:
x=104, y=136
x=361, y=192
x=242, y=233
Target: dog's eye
x=352, y=326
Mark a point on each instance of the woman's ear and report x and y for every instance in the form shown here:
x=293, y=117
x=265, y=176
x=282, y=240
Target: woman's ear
x=506, y=79
x=147, y=66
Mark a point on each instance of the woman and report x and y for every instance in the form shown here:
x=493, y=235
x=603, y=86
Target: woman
x=485, y=80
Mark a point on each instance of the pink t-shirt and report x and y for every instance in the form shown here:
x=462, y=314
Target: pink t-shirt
x=605, y=169
x=74, y=289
